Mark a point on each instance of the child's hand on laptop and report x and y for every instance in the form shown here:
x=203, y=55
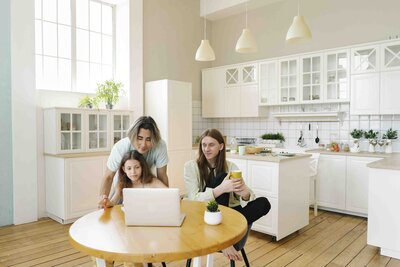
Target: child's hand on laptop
x=105, y=202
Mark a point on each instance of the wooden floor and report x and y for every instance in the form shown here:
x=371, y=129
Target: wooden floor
x=330, y=239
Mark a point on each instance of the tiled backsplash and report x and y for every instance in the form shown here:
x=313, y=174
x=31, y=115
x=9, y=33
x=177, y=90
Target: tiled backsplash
x=327, y=131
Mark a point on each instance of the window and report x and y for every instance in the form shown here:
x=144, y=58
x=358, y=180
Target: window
x=74, y=43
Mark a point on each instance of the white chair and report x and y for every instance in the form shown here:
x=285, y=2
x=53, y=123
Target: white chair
x=314, y=177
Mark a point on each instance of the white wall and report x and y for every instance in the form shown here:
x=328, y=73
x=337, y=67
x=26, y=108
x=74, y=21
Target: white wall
x=333, y=23
x=23, y=111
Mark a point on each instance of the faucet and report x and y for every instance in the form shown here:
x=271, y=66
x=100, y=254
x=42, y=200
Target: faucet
x=301, y=142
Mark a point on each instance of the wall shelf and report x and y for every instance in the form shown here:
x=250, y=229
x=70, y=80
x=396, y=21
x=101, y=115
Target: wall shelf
x=309, y=116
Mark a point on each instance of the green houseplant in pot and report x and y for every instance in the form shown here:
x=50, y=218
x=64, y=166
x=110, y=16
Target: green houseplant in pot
x=88, y=102
x=371, y=135
x=389, y=136
x=212, y=215
x=357, y=134
x=273, y=139
x=109, y=92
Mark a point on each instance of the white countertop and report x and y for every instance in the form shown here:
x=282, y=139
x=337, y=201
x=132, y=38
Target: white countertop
x=270, y=157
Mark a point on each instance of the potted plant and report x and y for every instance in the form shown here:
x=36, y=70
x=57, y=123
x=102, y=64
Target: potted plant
x=357, y=134
x=389, y=136
x=371, y=135
x=212, y=215
x=273, y=139
x=109, y=92
x=88, y=102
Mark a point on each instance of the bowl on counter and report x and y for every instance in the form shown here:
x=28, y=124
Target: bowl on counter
x=254, y=149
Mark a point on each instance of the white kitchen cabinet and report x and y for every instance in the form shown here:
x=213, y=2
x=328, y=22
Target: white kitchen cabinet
x=268, y=83
x=170, y=104
x=311, y=78
x=288, y=81
x=213, y=93
x=343, y=183
x=286, y=185
x=337, y=81
x=230, y=92
x=73, y=185
x=389, y=92
x=357, y=184
x=331, y=186
x=365, y=59
x=365, y=94
x=390, y=59
x=74, y=130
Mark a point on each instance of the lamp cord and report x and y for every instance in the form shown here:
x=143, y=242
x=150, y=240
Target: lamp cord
x=298, y=7
x=246, y=14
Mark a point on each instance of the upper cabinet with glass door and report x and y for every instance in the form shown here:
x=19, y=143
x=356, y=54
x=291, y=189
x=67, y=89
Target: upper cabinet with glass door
x=241, y=75
x=121, y=121
x=364, y=59
x=98, y=131
x=390, y=56
x=337, y=76
x=70, y=130
x=311, y=78
x=288, y=81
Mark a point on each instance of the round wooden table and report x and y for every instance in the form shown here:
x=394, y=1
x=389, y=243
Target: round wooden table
x=103, y=234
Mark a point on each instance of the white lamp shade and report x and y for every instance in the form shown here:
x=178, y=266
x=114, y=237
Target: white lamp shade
x=298, y=31
x=246, y=43
x=205, y=52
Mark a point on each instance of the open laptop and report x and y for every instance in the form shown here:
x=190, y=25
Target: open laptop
x=152, y=207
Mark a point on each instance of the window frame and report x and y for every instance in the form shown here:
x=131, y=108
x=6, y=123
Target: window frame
x=74, y=60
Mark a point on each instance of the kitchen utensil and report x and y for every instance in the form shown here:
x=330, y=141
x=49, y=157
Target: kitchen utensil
x=317, y=138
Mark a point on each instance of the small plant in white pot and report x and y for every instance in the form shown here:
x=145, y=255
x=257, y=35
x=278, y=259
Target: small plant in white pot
x=212, y=215
x=357, y=135
x=88, y=102
x=389, y=136
x=371, y=135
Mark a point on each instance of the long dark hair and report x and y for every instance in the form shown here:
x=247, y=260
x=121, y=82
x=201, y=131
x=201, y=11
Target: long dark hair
x=123, y=179
x=220, y=163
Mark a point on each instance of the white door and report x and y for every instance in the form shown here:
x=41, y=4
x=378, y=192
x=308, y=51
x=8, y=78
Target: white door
x=232, y=101
x=82, y=182
x=249, y=101
x=390, y=92
x=357, y=184
x=331, y=191
x=365, y=94
x=213, y=83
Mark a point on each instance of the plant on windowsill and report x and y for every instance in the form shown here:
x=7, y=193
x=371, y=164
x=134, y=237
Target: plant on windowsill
x=88, y=102
x=212, y=215
x=109, y=92
x=389, y=136
x=357, y=134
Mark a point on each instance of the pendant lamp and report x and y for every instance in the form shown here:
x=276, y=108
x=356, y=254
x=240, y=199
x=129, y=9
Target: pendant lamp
x=298, y=31
x=246, y=43
x=205, y=51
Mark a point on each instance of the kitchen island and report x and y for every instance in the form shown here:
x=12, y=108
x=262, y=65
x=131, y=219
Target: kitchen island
x=285, y=182
x=383, y=205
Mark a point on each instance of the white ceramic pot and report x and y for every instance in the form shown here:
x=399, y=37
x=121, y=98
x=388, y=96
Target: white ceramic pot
x=372, y=144
x=388, y=148
x=355, y=148
x=212, y=218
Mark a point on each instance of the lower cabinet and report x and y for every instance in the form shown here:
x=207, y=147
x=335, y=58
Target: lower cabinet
x=343, y=183
x=286, y=185
x=73, y=185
